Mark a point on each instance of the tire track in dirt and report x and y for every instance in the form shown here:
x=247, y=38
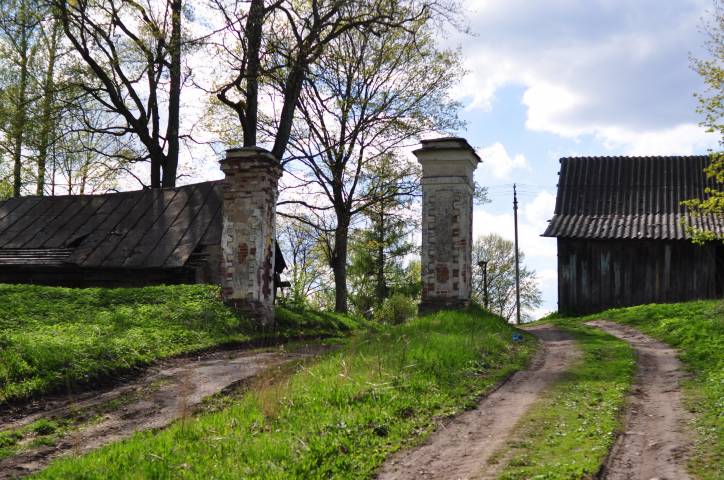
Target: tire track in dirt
x=462, y=447
x=164, y=393
x=655, y=439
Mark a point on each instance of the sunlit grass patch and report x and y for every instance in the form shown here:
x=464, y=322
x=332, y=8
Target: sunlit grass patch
x=55, y=338
x=337, y=418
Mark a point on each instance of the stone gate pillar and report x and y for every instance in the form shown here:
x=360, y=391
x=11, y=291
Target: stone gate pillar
x=248, y=231
x=447, y=222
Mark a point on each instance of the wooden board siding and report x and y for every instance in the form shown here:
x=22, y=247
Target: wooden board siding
x=594, y=275
x=73, y=276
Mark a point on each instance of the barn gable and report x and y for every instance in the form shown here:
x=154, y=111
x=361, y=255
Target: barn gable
x=621, y=235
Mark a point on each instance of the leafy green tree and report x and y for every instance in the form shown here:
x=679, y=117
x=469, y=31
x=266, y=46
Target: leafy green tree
x=271, y=46
x=19, y=22
x=49, y=109
x=711, y=106
x=378, y=251
x=6, y=188
x=42, y=117
x=500, y=255
x=307, y=268
x=131, y=64
x=367, y=97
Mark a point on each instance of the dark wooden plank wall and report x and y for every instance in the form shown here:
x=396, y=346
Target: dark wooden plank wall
x=594, y=275
x=71, y=276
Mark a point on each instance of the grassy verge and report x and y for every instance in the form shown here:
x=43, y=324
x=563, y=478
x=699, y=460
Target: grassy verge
x=337, y=418
x=53, y=338
x=568, y=432
x=697, y=330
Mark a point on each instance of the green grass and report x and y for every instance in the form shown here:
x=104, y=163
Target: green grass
x=339, y=417
x=55, y=338
x=568, y=432
x=40, y=433
x=696, y=329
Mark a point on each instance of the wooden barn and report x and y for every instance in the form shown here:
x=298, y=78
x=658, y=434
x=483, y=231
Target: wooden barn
x=619, y=223
x=134, y=238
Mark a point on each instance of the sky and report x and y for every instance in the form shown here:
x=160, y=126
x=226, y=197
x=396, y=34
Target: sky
x=555, y=78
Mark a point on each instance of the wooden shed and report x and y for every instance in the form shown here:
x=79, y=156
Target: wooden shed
x=134, y=238
x=621, y=236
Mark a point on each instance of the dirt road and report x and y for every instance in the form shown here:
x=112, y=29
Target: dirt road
x=655, y=438
x=166, y=392
x=461, y=449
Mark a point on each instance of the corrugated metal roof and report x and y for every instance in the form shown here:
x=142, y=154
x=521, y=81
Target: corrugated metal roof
x=630, y=197
x=157, y=228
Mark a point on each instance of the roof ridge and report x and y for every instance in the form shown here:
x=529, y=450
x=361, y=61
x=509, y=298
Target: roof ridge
x=593, y=157
x=124, y=192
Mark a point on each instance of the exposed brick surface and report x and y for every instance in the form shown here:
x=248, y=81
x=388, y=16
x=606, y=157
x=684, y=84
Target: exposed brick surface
x=248, y=232
x=447, y=208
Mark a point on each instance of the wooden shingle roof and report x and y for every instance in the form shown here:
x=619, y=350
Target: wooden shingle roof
x=630, y=197
x=157, y=228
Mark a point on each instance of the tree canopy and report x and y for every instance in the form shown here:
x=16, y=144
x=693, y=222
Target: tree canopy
x=711, y=106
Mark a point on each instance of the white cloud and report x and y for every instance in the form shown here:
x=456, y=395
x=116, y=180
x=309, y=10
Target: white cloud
x=530, y=242
x=548, y=277
x=547, y=104
x=613, y=69
x=540, y=210
x=498, y=163
x=685, y=139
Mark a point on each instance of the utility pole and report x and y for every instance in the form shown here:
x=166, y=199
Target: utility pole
x=484, y=265
x=517, y=261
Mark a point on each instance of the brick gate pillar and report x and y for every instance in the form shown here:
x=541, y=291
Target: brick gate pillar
x=248, y=231
x=447, y=222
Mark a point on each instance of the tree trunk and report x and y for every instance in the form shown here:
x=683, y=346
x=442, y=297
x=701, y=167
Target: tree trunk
x=20, y=115
x=156, y=162
x=47, y=120
x=381, y=286
x=170, y=166
x=339, y=265
x=292, y=89
x=254, y=34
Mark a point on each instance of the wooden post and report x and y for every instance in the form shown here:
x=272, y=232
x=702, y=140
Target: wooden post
x=484, y=265
x=517, y=259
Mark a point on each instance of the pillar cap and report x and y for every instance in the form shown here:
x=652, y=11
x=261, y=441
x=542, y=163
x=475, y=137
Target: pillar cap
x=250, y=158
x=249, y=152
x=449, y=144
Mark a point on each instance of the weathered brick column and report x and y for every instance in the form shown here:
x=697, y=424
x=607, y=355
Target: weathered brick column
x=447, y=222
x=248, y=231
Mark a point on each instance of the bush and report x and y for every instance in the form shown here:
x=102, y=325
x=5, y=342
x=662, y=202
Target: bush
x=396, y=310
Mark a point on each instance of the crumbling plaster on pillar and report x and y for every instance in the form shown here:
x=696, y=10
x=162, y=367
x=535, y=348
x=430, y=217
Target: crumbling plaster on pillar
x=447, y=211
x=248, y=231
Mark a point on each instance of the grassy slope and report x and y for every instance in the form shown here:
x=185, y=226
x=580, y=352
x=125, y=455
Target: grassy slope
x=697, y=330
x=568, y=432
x=338, y=418
x=54, y=337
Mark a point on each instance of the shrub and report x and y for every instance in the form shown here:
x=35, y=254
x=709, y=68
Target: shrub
x=396, y=310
